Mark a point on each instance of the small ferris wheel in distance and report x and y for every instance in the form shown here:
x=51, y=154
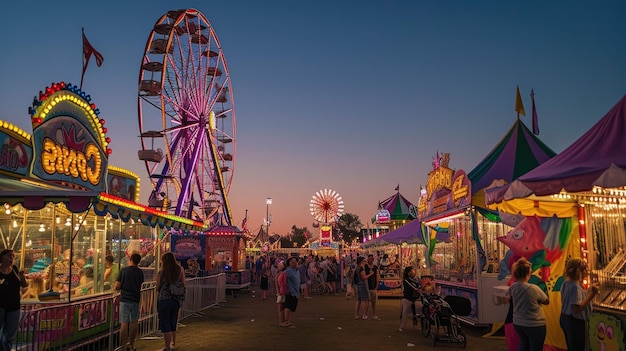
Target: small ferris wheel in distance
x=326, y=206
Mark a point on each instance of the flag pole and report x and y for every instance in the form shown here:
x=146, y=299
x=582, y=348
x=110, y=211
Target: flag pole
x=82, y=55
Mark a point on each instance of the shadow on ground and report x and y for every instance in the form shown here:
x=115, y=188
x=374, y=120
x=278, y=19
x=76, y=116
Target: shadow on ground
x=324, y=322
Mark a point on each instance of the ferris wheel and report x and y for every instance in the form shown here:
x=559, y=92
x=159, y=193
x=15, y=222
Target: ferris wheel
x=187, y=118
x=326, y=206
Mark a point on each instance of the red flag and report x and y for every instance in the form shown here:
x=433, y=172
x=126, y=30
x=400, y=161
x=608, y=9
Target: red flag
x=535, y=121
x=88, y=50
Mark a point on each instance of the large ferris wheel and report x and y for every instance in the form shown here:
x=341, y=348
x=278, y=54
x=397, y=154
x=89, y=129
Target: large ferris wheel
x=187, y=118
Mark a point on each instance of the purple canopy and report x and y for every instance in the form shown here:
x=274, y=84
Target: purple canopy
x=410, y=233
x=596, y=159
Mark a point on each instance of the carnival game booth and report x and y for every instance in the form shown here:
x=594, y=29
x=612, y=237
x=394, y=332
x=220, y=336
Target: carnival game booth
x=226, y=251
x=65, y=210
x=393, y=212
x=404, y=243
x=584, y=185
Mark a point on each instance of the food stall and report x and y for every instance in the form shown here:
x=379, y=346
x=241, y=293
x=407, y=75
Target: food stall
x=460, y=242
x=403, y=244
x=226, y=252
x=65, y=210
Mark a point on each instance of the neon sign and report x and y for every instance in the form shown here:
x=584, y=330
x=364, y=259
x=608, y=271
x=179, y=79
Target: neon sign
x=61, y=159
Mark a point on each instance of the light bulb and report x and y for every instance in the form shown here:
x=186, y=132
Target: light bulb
x=41, y=228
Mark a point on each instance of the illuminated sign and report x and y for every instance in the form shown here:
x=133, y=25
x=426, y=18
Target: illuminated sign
x=446, y=189
x=383, y=216
x=15, y=155
x=69, y=141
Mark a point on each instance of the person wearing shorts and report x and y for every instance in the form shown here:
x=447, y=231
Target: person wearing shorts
x=293, y=282
x=129, y=283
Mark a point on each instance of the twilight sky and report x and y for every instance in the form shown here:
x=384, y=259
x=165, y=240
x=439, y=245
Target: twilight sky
x=356, y=95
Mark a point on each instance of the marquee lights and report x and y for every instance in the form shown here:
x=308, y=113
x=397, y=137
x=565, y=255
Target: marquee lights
x=118, y=201
x=15, y=129
x=67, y=92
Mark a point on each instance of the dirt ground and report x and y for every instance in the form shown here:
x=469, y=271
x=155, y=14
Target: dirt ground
x=245, y=322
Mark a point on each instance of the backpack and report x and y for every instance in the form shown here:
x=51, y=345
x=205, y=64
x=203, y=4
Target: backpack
x=355, y=277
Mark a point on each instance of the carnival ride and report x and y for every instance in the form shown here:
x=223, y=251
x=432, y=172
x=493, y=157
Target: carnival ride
x=326, y=206
x=187, y=118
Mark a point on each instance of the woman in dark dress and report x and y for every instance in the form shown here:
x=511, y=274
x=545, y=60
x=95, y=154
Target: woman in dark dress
x=11, y=282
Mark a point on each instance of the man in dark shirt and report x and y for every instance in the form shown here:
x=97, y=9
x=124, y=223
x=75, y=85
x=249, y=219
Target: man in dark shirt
x=129, y=282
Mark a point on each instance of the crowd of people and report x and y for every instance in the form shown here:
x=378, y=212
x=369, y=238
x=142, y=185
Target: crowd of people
x=356, y=275
x=291, y=278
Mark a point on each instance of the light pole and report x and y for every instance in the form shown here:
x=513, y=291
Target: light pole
x=268, y=202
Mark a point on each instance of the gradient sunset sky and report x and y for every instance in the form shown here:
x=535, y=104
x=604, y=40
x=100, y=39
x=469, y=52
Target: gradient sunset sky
x=355, y=96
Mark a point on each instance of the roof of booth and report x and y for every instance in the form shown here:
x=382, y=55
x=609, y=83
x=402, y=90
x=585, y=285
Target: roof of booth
x=518, y=152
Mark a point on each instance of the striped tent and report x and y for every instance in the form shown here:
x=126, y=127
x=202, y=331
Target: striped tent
x=517, y=153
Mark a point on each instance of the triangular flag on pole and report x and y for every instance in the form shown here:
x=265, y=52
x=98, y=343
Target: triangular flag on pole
x=88, y=50
x=398, y=187
x=519, y=106
x=535, y=121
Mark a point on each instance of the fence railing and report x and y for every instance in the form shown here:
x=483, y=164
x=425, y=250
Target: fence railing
x=93, y=323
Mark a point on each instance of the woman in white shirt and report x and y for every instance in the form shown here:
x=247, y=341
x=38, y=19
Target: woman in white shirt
x=528, y=318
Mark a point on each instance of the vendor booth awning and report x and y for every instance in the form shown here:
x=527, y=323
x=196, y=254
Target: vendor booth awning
x=34, y=195
x=228, y=230
x=410, y=233
x=597, y=158
x=518, y=152
x=126, y=210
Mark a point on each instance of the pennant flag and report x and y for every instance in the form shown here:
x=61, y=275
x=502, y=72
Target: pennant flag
x=519, y=106
x=244, y=224
x=88, y=50
x=398, y=187
x=535, y=121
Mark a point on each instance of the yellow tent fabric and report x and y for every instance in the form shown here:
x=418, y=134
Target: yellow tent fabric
x=552, y=311
x=541, y=207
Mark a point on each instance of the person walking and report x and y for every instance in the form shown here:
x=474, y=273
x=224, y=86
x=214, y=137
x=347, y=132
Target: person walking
x=362, y=292
x=293, y=282
x=372, y=283
x=528, y=318
x=258, y=266
x=282, y=288
x=304, y=277
x=265, y=281
x=169, y=278
x=128, y=283
x=12, y=282
x=410, y=293
x=576, y=305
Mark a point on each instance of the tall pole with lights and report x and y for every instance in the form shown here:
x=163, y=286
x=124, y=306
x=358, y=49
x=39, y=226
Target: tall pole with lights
x=268, y=202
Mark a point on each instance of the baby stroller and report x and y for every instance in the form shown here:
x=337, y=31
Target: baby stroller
x=440, y=318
